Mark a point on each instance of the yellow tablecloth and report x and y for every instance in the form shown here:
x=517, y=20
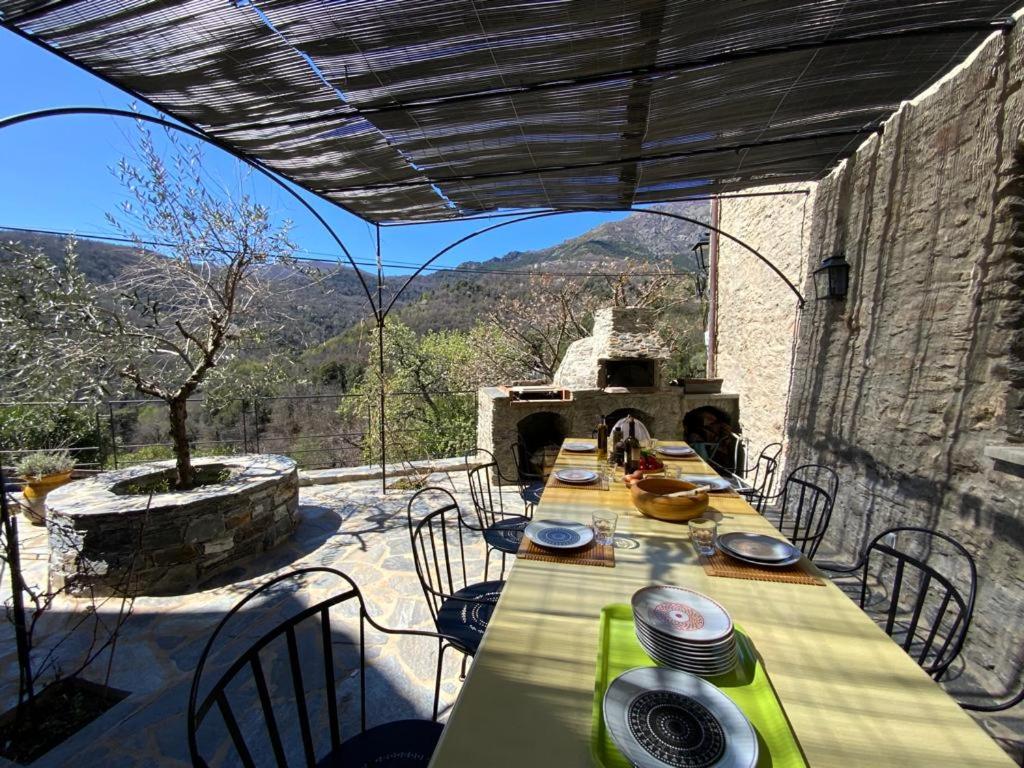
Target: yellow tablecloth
x=853, y=697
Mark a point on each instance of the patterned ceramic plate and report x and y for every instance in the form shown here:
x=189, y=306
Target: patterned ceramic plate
x=663, y=718
x=717, y=483
x=579, y=447
x=757, y=546
x=676, y=450
x=577, y=476
x=682, y=614
x=559, y=534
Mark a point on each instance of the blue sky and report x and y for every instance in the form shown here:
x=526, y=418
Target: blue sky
x=54, y=174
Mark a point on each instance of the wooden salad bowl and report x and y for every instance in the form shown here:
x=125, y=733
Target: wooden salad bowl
x=649, y=497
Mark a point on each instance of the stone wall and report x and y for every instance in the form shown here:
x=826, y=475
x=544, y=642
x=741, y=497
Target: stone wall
x=103, y=541
x=757, y=312
x=904, y=384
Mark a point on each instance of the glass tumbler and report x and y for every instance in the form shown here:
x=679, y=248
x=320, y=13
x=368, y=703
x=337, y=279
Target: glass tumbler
x=704, y=535
x=603, y=524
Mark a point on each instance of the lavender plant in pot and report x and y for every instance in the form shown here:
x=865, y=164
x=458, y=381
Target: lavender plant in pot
x=42, y=472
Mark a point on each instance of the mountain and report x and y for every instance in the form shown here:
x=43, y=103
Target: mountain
x=324, y=318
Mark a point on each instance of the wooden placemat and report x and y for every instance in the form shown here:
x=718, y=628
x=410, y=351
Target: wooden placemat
x=719, y=564
x=600, y=485
x=592, y=554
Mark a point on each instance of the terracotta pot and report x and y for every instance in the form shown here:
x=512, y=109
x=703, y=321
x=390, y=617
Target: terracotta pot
x=35, y=492
x=649, y=497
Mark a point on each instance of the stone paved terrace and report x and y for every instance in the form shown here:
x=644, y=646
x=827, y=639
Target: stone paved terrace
x=348, y=526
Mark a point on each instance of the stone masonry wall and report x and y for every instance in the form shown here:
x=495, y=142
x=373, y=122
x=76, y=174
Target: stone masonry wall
x=111, y=543
x=902, y=386
x=757, y=312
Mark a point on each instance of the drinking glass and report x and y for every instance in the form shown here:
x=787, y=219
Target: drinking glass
x=604, y=527
x=704, y=535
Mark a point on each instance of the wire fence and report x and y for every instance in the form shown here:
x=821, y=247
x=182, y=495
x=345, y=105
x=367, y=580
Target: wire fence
x=317, y=430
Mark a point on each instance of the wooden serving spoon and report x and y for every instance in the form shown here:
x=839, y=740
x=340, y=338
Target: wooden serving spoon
x=684, y=494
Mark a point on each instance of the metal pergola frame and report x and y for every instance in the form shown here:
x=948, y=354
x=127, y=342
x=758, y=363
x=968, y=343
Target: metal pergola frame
x=380, y=312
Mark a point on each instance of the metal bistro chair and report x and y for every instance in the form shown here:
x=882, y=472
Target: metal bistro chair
x=502, y=530
x=531, y=484
x=241, y=704
x=937, y=614
x=805, y=506
x=460, y=607
x=756, y=480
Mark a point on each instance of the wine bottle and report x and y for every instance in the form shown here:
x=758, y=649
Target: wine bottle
x=602, y=439
x=632, y=448
x=617, y=446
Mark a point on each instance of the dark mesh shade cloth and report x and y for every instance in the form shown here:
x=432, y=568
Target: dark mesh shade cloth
x=430, y=109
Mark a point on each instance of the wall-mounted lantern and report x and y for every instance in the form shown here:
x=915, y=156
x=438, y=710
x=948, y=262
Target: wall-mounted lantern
x=832, y=278
x=701, y=249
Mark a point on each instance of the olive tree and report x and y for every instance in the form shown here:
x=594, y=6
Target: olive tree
x=202, y=280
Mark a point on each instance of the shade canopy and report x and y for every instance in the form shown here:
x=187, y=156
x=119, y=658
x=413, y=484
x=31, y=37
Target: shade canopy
x=416, y=110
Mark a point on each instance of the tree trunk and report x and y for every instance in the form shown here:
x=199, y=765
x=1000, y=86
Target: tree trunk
x=179, y=435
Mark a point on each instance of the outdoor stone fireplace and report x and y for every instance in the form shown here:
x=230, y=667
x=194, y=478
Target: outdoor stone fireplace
x=107, y=542
x=619, y=370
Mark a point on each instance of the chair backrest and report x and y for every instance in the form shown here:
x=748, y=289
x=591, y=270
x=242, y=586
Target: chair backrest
x=925, y=611
x=438, y=546
x=485, y=491
x=805, y=507
x=762, y=474
x=245, y=681
x=524, y=472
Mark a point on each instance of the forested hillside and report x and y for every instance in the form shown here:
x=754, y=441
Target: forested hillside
x=308, y=387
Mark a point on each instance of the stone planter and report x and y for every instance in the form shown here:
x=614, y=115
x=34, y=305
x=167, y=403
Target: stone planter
x=36, y=491
x=108, y=542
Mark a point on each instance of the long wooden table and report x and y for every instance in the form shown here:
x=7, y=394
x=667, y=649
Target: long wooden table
x=853, y=697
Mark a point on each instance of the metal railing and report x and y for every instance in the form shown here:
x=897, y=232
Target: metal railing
x=311, y=428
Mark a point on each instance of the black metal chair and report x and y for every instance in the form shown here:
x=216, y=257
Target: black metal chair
x=239, y=707
x=460, y=606
x=804, y=506
x=754, y=480
x=923, y=610
x=761, y=476
x=1001, y=706
x=502, y=530
x=531, y=484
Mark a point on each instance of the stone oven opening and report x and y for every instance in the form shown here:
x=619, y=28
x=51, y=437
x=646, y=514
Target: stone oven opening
x=628, y=374
x=538, y=439
x=709, y=431
x=620, y=413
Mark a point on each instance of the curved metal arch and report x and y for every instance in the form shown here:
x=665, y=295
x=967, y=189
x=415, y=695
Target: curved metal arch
x=530, y=217
x=40, y=114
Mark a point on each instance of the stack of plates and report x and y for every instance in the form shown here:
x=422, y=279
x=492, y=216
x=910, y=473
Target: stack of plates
x=676, y=451
x=662, y=718
x=685, y=630
x=758, y=549
x=579, y=447
x=577, y=476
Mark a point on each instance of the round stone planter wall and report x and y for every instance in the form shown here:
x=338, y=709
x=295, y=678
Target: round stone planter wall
x=110, y=543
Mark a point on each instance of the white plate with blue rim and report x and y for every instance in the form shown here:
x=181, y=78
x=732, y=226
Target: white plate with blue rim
x=577, y=447
x=667, y=718
x=559, y=534
x=577, y=476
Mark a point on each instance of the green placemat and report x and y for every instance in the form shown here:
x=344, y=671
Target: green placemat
x=747, y=685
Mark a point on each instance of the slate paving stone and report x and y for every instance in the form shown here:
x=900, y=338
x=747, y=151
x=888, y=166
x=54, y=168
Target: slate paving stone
x=348, y=526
